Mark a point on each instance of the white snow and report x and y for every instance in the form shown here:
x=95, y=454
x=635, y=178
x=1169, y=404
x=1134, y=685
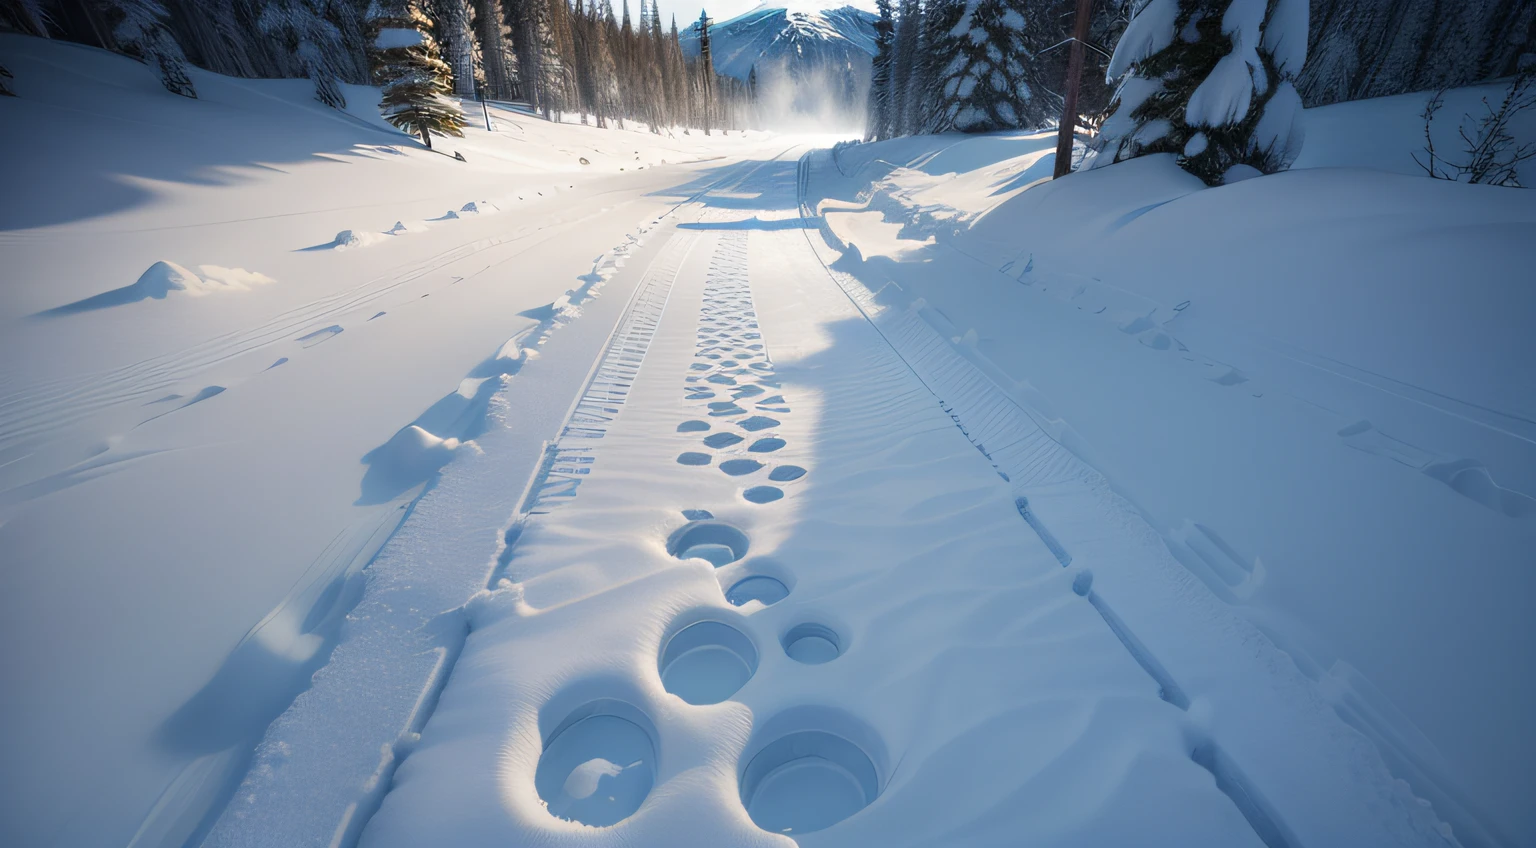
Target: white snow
x=1149, y=32
x=1312, y=358
x=183, y=512
x=892, y=495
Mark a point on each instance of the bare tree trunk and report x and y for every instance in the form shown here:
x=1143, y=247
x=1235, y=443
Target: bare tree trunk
x=426, y=138
x=1074, y=82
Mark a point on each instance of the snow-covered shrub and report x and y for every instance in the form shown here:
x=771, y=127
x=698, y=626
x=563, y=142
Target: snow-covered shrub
x=313, y=41
x=141, y=30
x=986, y=85
x=1211, y=81
x=406, y=65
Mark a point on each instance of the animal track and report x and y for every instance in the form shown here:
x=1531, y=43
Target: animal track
x=729, y=354
x=763, y=494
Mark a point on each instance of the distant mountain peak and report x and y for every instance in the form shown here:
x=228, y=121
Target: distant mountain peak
x=792, y=34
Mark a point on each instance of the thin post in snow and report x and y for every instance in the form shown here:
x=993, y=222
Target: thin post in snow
x=485, y=108
x=1074, y=82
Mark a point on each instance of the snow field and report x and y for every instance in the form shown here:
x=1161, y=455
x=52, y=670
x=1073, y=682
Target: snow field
x=183, y=478
x=1272, y=401
x=611, y=692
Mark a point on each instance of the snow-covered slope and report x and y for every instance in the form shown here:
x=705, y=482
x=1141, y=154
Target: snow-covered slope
x=796, y=36
x=207, y=396
x=1314, y=385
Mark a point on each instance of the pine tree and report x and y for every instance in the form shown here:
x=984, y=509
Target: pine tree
x=141, y=30
x=1374, y=48
x=407, y=67
x=676, y=74
x=988, y=84
x=1210, y=81
x=905, y=58
x=879, y=120
x=936, y=46
x=605, y=82
x=658, y=109
x=314, y=42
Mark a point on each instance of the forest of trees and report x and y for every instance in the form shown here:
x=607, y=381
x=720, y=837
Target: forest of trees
x=563, y=57
x=981, y=65
x=1218, y=83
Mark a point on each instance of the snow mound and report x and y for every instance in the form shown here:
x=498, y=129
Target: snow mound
x=413, y=452
x=410, y=457
x=352, y=238
x=482, y=207
x=164, y=277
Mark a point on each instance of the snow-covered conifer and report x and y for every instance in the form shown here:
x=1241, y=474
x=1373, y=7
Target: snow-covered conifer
x=1211, y=81
x=315, y=44
x=141, y=30
x=601, y=78
x=938, y=43
x=407, y=67
x=987, y=85
x=905, y=58
x=880, y=74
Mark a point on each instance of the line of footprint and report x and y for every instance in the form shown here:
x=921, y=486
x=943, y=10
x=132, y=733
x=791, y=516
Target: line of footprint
x=733, y=373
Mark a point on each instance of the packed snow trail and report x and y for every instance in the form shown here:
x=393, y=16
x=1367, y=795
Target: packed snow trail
x=793, y=572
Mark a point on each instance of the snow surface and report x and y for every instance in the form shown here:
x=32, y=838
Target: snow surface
x=891, y=496
x=189, y=485
x=1332, y=415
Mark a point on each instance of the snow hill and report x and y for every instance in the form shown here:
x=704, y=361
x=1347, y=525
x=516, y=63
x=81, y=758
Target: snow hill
x=797, y=37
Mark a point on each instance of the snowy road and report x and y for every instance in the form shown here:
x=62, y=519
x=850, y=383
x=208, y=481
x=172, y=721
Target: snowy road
x=793, y=566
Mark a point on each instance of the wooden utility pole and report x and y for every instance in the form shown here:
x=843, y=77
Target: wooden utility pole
x=1074, y=82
